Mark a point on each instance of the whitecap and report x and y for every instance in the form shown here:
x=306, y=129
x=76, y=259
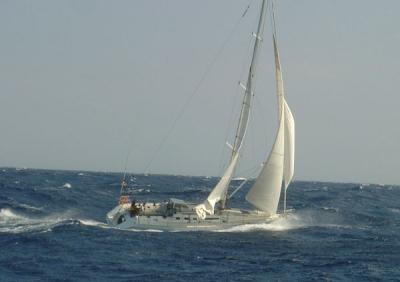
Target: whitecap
x=91, y=222
x=67, y=185
x=291, y=221
x=13, y=222
x=330, y=209
x=7, y=214
x=95, y=223
x=30, y=207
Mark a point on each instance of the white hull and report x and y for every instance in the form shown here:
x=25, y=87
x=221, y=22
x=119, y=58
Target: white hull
x=185, y=220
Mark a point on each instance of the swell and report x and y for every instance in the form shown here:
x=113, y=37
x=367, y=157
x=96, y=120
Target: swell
x=12, y=221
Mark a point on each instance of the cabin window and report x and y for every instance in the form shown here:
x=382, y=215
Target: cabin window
x=177, y=218
x=194, y=218
x=121, y=219
x=187, y=218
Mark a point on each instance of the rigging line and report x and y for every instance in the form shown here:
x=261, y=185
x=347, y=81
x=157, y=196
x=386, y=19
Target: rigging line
x=254, y=79
x=273, y=18
x=124, y=182
x=196, y=89
x=230, y=126
x=250, y=172
x=245, y=12
x=124, y=177
x=257, y=113
x=237, y=189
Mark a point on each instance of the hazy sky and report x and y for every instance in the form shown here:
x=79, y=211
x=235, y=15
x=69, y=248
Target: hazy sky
x=83, y=82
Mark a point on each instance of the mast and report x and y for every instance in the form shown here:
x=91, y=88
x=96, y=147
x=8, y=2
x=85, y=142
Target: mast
x=219, y=193
x=249, y=92
x=245, y=111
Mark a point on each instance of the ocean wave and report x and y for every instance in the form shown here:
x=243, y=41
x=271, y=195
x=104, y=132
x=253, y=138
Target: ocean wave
x=95, y=223
x=29, y=207
x=91, y=222
x=13, y=222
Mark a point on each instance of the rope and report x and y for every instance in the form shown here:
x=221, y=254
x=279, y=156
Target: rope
x=196, y=89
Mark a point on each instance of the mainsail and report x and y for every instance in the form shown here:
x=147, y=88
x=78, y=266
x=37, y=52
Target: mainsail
x=219, y=193
x=288, y=117
x=265, y=193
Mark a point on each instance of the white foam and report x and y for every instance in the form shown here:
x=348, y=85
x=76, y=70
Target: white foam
x=67, y=185
x=95, y=223
x=30, y=207
x=7, y=214
x=291, y=221
x=91, y=222
x=12, y=222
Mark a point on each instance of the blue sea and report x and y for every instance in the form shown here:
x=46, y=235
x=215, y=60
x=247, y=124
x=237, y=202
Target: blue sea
x=52, y=228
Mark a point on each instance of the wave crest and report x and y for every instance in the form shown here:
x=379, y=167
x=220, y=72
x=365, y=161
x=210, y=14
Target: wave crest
x=12, y=222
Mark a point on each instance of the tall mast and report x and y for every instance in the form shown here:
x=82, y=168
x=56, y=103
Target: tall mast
x=249, y=92
x=219, y=193
x=245, y=111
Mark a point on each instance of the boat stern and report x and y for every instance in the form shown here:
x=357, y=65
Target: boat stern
x=117, y=215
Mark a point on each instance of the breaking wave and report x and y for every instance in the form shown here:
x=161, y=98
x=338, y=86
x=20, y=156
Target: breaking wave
x=67, y=185
x=13, y=222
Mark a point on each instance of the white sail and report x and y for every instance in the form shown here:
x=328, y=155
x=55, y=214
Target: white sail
x=265, y=192
x=219, y=193
x=278, y=77
x=289, y=146
x=289, y=120
x=279, y=166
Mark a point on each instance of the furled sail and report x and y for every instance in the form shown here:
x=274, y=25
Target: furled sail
x=219, y=190
x=265, y=192
x=219, y=193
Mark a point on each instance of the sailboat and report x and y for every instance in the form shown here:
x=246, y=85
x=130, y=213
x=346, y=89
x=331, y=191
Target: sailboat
x=273, y=180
